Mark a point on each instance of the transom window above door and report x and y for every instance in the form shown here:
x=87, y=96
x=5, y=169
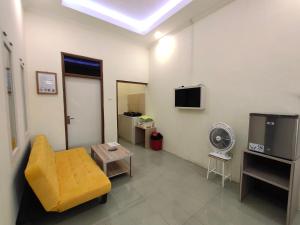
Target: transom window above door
x=81, y=66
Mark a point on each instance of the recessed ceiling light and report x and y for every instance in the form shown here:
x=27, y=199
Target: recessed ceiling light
x=115, y=17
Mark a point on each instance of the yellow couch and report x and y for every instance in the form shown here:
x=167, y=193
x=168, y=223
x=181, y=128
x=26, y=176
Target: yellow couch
x=64, y=179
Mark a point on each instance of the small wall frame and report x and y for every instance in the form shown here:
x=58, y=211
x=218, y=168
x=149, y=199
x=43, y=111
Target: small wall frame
x=46, y=83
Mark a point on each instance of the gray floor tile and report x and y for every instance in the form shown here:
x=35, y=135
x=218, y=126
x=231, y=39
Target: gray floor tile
x=193, y=221
x=142, y=214
x=169, y=208
x=297, y=219
x=226, y=209
x=167, y=190
x=125, y=195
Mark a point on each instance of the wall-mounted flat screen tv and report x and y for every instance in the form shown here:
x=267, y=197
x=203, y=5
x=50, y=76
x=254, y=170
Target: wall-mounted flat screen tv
x=189, y=97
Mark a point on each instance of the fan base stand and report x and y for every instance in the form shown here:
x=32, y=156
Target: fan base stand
x=221, y=158
x=220, y=155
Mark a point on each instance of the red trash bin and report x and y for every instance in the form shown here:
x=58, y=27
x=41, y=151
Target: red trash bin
x=156, y=141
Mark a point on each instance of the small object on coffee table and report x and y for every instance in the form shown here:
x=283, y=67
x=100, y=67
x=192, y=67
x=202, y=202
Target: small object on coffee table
x=112, y=149
x=113, y=163
x=113, y=146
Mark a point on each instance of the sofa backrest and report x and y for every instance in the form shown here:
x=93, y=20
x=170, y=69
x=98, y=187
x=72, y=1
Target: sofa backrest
x=41, y=173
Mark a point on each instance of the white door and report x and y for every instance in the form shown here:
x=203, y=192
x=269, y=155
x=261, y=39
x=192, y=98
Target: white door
x=84, y=110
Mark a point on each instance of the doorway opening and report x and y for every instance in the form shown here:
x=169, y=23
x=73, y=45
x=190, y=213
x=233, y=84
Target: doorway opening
x=130, y=105
x=83, y=100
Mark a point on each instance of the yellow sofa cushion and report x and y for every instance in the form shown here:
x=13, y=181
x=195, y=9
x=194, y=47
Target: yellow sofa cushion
x=41, y=173
x=62, y=180
x=79, y=178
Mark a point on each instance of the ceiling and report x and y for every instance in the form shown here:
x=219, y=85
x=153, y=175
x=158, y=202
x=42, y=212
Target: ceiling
x=183, y=14
x=137, y=9
x=139, y=17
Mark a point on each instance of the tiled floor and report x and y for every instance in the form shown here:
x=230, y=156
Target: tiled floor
x=167, y=190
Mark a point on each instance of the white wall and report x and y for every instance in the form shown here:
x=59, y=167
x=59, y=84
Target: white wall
x=47, y=36
x=247, y=54
x=125, y=89
x=11, y=171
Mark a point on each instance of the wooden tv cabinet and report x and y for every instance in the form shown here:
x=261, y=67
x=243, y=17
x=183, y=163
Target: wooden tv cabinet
x=275, y=173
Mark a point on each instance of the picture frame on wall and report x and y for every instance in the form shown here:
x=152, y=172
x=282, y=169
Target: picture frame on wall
x=46, y=83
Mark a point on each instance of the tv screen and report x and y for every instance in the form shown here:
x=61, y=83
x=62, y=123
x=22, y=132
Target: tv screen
x=188, y=97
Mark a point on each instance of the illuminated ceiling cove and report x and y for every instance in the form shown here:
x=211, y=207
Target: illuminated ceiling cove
x=139, y=16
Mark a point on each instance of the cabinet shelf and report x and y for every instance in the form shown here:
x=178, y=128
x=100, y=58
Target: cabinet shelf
x=268, y=177
x=265, y=168
x=275, y=175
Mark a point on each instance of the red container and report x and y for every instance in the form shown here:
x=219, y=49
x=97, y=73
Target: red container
x=156, y=145
x=156, y=141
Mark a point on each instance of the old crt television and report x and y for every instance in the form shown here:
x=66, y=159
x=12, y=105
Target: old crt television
x=190, y=97
x=275, y=135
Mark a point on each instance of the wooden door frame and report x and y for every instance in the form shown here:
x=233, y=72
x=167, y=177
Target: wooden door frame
x=117, y=98
x=100, y=78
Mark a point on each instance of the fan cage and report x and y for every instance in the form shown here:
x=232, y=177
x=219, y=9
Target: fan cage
x=228, y=130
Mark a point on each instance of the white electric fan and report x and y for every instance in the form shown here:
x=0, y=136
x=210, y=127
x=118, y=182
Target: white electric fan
x=222, y=139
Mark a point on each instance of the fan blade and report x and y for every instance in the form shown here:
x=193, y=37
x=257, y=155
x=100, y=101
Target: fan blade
x=227, y=139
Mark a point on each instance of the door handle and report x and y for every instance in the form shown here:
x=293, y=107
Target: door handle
x=69, y=118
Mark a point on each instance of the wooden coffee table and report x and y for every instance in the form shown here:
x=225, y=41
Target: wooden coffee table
x=113, y=163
